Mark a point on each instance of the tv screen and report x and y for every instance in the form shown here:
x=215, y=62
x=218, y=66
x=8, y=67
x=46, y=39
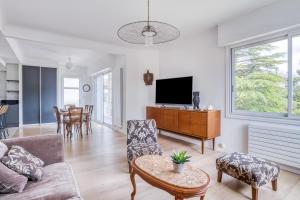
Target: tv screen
x=174, y=91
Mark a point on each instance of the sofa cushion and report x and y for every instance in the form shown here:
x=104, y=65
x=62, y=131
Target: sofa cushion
x=21, y=161
x=11, y=181
x=3, y=149
x=58, y=183
x=249, y=169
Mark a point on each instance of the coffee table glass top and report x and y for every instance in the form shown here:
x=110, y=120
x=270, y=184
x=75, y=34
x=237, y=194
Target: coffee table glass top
x=161, y=168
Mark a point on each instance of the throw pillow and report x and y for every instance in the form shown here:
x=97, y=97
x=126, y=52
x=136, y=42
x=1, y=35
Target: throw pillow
x=16, y=151
x=21, y=161
x=11, y=181
x=3, y=149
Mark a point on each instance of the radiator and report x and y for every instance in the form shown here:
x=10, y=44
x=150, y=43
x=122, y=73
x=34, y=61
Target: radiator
x=279, y=145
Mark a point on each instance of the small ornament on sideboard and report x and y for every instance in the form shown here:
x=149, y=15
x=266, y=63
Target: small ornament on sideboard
x=148, y=78
x=196, y=100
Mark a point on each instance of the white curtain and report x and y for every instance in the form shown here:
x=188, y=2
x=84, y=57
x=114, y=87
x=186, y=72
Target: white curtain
x=99, y=98
x=117, y=85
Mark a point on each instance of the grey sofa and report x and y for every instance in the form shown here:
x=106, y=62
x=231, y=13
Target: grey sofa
x=58, y=181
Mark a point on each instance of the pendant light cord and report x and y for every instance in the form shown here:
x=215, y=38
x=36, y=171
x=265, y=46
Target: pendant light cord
x=148, y=13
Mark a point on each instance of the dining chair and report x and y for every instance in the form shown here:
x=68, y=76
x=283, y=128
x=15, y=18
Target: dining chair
x=88, y=118
x=67, y=106
x=3, y=125
x=60, y=120
x=141, y=139
x=75, y=120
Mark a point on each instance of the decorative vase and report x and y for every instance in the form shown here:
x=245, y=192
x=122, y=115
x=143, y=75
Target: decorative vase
x=178, y=168
x=196, y=99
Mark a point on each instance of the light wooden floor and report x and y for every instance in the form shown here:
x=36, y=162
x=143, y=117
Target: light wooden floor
x=100, y=166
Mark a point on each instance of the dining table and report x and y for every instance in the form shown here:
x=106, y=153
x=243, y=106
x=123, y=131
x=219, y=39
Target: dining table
x=85, y=115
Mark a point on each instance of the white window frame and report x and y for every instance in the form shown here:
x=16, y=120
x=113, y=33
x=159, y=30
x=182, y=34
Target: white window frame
x=63, y=88
x=259, y=116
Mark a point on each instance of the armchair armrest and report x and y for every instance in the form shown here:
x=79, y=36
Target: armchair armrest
x=49, y=148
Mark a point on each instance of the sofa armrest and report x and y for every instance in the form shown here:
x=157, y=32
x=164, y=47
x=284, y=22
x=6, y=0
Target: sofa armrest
x=49, y=148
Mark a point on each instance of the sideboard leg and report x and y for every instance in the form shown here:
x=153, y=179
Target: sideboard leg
x=213, y=143
x=202, y=145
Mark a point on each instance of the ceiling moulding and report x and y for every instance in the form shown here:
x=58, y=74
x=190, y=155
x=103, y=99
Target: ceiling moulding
x=2, y=61
x=16, y=49
x=36, y=35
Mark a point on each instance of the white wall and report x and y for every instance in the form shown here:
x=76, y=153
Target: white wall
x=273, y=18
x=138, y=95
x=82, y=74
x=202, y=58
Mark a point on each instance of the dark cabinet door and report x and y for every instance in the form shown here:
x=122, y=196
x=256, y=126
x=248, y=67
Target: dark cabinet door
x=48, y=94
x=31, y=94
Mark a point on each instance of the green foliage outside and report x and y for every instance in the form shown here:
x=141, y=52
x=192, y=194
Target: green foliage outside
x=261, y=80
x=296, y=99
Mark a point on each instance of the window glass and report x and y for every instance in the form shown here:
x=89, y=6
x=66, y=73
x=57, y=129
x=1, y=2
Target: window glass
x=260, y=78
x=71, y=82
x=71, y=91
x=296, y=75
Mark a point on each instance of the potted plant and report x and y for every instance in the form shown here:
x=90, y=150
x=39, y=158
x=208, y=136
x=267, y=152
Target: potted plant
x=179, y=159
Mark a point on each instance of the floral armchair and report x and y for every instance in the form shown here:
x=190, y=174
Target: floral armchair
x=141, y=139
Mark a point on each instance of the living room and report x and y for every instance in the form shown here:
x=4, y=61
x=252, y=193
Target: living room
x=243, y=59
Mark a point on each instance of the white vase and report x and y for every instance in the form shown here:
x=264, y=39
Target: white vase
x=178, y=168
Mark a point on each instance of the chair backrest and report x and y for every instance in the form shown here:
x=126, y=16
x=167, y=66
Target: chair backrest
x=75, y=114
x=57, y=114
x=90, y=109
x=3, y=109
x=141, y=131
x=67, y=106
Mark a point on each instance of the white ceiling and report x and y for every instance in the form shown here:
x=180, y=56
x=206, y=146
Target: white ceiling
x=100, y=19
x=53, y=55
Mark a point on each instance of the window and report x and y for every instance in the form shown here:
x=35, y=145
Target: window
x=264, y=82
x=71, y=91
x=296, y=75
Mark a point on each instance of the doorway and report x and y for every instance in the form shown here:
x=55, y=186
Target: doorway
x=104, y=98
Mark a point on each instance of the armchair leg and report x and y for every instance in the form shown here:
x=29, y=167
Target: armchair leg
x=220, y=176
x=274, y=185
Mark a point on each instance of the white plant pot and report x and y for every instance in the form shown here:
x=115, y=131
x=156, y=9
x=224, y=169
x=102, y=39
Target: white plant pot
x=178, y=168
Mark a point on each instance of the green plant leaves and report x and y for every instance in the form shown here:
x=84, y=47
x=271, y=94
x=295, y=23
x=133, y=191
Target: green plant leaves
x=180, y=157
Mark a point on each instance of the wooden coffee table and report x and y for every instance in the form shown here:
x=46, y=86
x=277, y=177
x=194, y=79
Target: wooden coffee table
x=158, y=172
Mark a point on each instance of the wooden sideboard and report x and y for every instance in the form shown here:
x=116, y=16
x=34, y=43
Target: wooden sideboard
x=203, y=125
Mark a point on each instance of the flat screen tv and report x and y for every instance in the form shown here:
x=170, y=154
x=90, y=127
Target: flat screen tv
x=174, y=91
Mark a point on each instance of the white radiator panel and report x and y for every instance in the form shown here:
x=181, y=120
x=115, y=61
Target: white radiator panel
x=279, y=145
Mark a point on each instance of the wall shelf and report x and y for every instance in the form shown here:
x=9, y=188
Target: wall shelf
x=12, y=90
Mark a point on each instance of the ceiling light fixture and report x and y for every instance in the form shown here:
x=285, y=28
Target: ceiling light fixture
x=69, y=64
x=148, y=32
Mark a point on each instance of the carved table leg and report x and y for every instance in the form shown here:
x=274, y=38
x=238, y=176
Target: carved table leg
x=202, y=197
x=178, y=198
x=133, y=184
x=254, y=193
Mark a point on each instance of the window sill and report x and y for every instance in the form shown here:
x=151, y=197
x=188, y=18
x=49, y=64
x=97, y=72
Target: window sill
x=278, y=120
